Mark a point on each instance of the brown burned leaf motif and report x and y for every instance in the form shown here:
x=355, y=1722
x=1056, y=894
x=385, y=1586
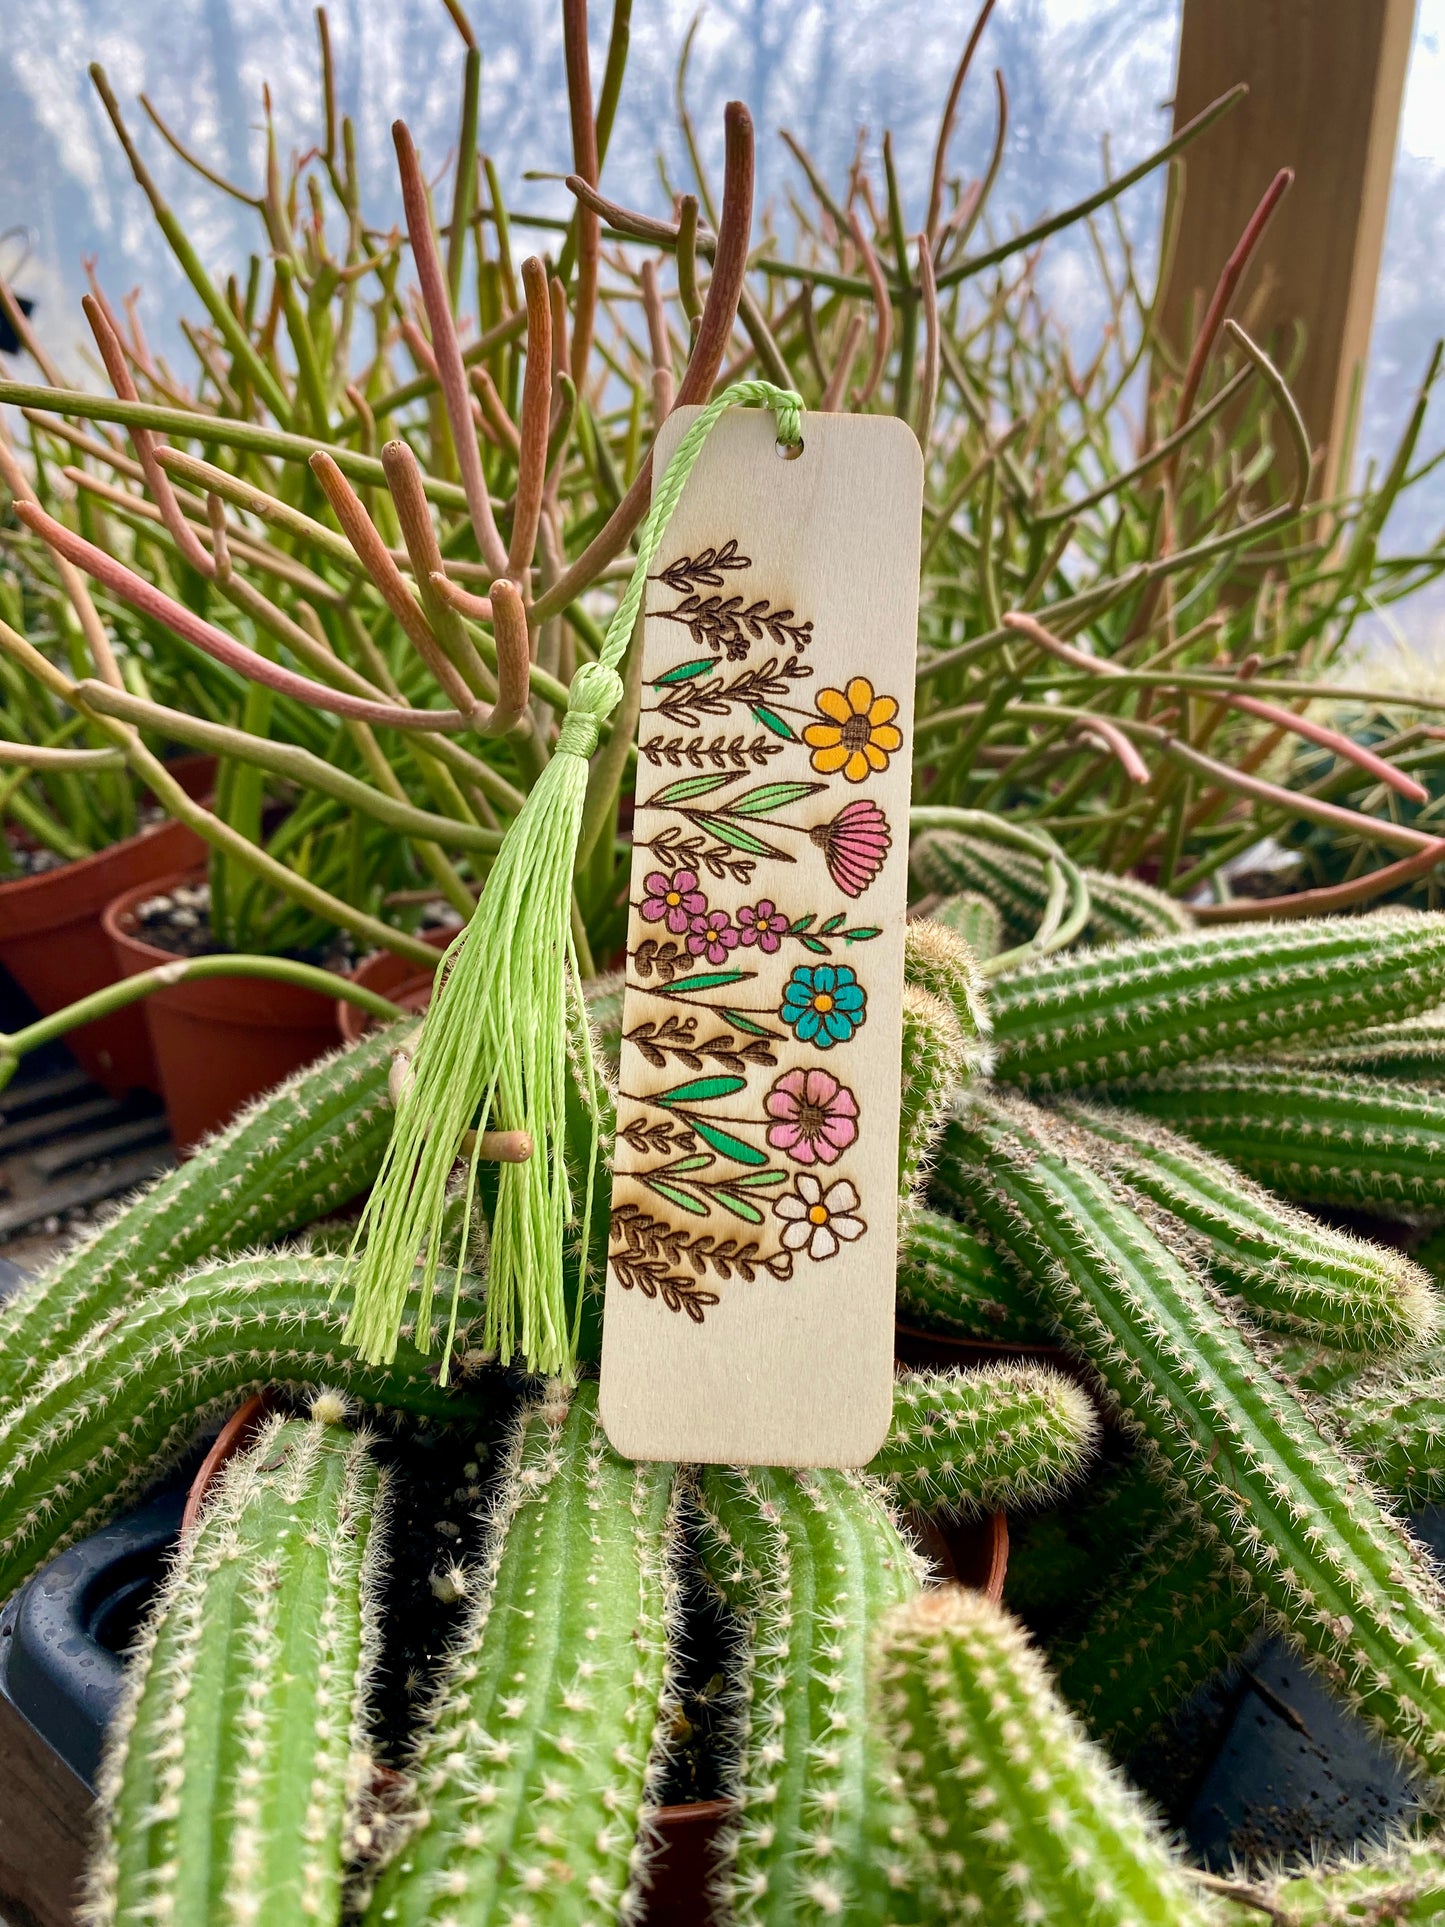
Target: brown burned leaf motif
x=705, y=570
x=677, y=1037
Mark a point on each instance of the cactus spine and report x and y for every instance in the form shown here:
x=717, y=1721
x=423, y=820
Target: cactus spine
x=938, y=961
x=1323, y=1137
x=950, y=1280
x=1021, y=1819
x=810, y=1561
x=533, y=1769
x=1297, y=1276
x=1395, y=1426
x=1120, y=908
x=239, y=1756
x=1399, y=1886
x=105, y=1420
x=1139, y=1007
x=935, y=1062
x=1413, y=1050
x=1353, y=1589
x=297, y=1153
x=1007, y=1436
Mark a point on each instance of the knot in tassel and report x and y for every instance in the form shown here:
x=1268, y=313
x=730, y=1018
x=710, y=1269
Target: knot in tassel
x=595, y=692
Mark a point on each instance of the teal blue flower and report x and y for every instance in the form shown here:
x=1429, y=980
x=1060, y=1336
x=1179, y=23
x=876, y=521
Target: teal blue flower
x=823, y=1004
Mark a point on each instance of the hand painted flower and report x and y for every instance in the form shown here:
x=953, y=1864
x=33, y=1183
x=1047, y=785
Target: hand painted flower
x=815, y=1116
x=713, y=936
x=676, y=898
x=818, y=1221
x=762, y=923
x=823, y=1004
x=854, y=845
x=858, y=733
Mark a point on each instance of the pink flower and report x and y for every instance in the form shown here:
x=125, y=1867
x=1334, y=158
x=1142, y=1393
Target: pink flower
x=675, y=897
x=817, y=1116
x=763, y=923
x=854, y=845
x=713, y=936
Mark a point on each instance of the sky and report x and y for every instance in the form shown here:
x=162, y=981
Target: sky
x=1077, y=70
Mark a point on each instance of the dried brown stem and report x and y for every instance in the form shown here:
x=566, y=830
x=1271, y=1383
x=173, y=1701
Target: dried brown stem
x=1325, y=902
x=536, y=423
x=413, y=512
x=584, y=161
x=883, y=309
x=514, y=658
x=838, y=381
x=928, y=379
x=945, y=127
x=658, y=343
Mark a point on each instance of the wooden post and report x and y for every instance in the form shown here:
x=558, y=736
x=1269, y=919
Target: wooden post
x=1326, y=79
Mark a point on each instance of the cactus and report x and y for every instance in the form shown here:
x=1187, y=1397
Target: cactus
x=1296, y=1275
x=1139, y=1007
x=981, y=1441
x=1321, y=1137
x=105, y=1420
x=810, y=1561
x=536, y=1767
x=937, y=960
x=1395, y=1426
x=300, y=1151
x=1413, y=1050
x=973, y=918
x=235, y=1767
x=1400, y=1885
x=1021, y=1819
x=950, y=1280
x=1120, y=907
x=935, y=1062
x=1354, y=1591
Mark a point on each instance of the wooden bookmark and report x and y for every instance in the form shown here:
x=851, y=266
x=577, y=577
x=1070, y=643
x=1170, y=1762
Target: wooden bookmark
x=750, y=1279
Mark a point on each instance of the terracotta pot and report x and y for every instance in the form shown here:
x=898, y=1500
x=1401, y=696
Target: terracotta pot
x=677, y=1892
x=52, y=943
x=221, y=1042
x=234, y=1436
x=399, y=978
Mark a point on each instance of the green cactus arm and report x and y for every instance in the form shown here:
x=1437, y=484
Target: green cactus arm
x=810, y=1561
x=972, y=917
x=106, y=1419
x=1401, y=1885
x=935, y=1062
x=1137, y=1008
x=1319, y=1137
x=535, y=1769
x=1120, y=907
x=1003, y=1436
x=1296, y=1275
x=1354, y=1591
x=1022, y=1819
x=950, y=1280
x=239, y=1755
x=298, y=1152
x=1395, y=1426
x=1413, y=1050
x=937, y=960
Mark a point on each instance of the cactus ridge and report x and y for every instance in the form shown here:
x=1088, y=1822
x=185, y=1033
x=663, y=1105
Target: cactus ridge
x=1137, y=1008
x=935, y=1062
x=810, y=1561
x=1413, y=1050
x=972, y=917
x=295, y=1154
x=1321, y=1137
x=105, y=1419
x=950, y=1280
x=1021, y=1819
x=1120, y=907
x=1354, y=1591
x=536, y=1769
x=1395, y=1426
x=1296, y=1275
x=938, y=960
x=236, y=1765
x=1399, y=1885
x=1000, y=1437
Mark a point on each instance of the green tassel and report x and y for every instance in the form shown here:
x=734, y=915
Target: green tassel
x=493, y=1048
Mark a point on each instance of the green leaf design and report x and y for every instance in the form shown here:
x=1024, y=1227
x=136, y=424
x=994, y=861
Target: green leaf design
x=743, y=1023
x=832, y=924
x=699, y=1161
x=685, y=790
x=684, y=1200
x=760, y=1180
x=739, y=1207
x=815, y=944
x=737, y=838
x=770, y=719
x=771, y=796
x=700, y=1090
x=709, y=980
x=863, y=932
x=684, y=672
x=724, y=1143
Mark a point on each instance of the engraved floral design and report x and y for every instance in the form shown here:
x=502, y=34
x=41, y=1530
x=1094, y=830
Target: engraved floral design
x=815, y=1116
x=819, y=1222
x=712, y=935
x=762, y=923
x=823, y=1004
x=858, y=733
x=674, y=899
x=855, y=844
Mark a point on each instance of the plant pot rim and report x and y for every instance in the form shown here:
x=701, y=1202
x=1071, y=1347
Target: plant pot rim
x=234, y=1437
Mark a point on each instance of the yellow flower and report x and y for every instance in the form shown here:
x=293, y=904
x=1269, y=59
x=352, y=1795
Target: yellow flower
x=860, y=734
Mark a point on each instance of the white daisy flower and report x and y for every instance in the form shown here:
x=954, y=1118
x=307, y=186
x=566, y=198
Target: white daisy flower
x=818, y=1221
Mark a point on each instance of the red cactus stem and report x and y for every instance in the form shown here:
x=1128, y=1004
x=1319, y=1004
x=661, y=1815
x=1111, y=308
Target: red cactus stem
x=658, y=343
x=1111, y=738
x=451, y=372
x=493, y=417
x=557, y=297
x=144, y=440
x=536, y=424
x=730, y=261
x=584, y=160
x=153, y=602
x=838, y=381
x=404, y=479
x=478, y=607
x=882, y=308
x=1323, y=902
x=514, y=658
x=928, y=378
x=96, y=635
x=945, y=126
x=421, y=353
x=1225, y=290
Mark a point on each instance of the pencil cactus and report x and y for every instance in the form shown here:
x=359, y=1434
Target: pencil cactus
x=950, y=1280
x=1294, y=1515
x=810, y=1561
x=1297, y=1275
x=297, y=1153
x=1120, y=907
x=1135, y=1009
x=981, y=1441
x=1021, y=1819
x=239, y=1758
x=535, y=1769
x=109, y=1416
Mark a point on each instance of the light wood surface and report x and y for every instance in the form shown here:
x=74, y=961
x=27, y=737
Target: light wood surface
x=750, y=1288
x=1326, y=79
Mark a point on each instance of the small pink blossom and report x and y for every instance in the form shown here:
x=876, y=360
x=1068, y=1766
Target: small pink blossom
x=854, y=845
x=676, y=898
x=817, y=1116
x=713, y=936
x=762, y=923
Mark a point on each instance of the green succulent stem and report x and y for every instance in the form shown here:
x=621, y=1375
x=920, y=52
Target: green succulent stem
x=951, y=1280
